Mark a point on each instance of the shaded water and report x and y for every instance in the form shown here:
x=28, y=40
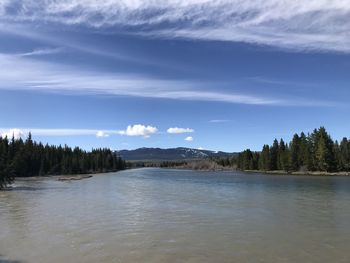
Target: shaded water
x=155, y=215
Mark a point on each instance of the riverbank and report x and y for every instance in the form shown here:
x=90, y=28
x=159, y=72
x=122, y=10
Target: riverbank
x=74, y=177
x=315, y=173
x=210, y=167
x=201, y=165
x=61, y=178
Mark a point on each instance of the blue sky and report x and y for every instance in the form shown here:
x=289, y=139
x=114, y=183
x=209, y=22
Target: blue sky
x=220, y=75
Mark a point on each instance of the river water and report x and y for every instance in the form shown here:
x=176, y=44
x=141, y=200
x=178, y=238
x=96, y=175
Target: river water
x=160, y=215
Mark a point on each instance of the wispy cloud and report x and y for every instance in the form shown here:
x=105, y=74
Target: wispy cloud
x=27, y=74
x=279, y=83
x=301, y=25
x=41, y=52
x=177, y=130
x=23, y=132
x=132, y=130
x=219, y=121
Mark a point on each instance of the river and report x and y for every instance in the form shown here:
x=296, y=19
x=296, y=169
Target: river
x=164, y=215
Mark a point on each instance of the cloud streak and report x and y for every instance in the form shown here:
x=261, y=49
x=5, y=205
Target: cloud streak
x=27, y=74
x=219, y=121
x=42, y=52
x=131, y=130
x=301, y=25
x=23, y=132
x=177, y=130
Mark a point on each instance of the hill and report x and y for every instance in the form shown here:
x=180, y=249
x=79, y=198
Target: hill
x=181, y=153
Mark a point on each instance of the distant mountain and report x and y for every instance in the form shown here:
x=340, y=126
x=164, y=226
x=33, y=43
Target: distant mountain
x=181, y=153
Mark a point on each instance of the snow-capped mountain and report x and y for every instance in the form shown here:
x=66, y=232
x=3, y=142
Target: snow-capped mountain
x=180, y=153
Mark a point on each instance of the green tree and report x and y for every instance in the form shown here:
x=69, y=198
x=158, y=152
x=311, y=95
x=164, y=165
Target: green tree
x=344, y=158
x=324, y=154
x=6, y=171
x=264, y=160
x=304, y=153
x=294, y=153
x=274, y=150
x=284, y=163
x=28, y=158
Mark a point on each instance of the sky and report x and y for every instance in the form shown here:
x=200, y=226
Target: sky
x=219, y=75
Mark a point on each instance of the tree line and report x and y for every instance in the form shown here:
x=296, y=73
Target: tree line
x=316, y=151
x=20, y=158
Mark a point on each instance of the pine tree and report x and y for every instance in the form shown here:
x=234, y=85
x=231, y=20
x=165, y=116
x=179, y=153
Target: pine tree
x=344, y=158
x=314, y=152
x=274, y=155
x=304, y=153
x=6, y=171
x=324, y=155
x=264, y=160
x=294, y=153
x=337, y=157
x=284, y=163
x=22, y=159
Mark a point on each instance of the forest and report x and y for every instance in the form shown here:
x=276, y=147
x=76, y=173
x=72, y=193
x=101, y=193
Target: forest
x=26, y=158
x=316, y=151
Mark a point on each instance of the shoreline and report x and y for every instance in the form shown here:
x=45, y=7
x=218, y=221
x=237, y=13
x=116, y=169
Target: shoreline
x=315, y=173
x=66, y=177
x=277, y=172
x=74, y=177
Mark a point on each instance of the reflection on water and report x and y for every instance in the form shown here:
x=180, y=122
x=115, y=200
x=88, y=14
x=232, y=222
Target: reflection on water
x=154, y=215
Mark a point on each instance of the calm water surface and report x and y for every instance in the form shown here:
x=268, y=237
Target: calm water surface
x=154, y=215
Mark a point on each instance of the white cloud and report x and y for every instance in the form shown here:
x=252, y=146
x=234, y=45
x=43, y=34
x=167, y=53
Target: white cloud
x=15, y=133
x=189, y=139
x=139, y=130
x=62, y=132
x=27, y=74
x=41, y=52
x=102, y=134
x=219, y=121
x=177, y=130
x=55, y=132
x=297, y=24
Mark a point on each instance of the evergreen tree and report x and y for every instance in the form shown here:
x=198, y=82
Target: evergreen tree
x=294, y=153
x=314, y=152
x=23, y=159
x=304, y=153
x=283, y=156
x=6, y=170
x=344, y=158
x=274, y=150
x=324, y=155
x=264, y=160
x=337, y=157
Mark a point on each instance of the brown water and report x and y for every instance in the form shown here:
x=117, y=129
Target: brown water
x=154, y=215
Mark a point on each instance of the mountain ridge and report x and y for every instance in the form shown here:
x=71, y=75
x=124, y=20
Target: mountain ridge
x=178, y=153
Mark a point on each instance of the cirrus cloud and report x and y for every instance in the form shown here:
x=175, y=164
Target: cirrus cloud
x=297, y=24
x=177, y=130
x=27, y=74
